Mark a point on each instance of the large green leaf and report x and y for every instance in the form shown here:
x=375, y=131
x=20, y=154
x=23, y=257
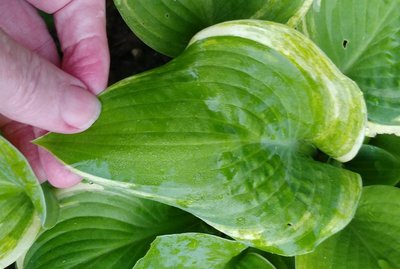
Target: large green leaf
x=103, y=228
x=22, y=204
x=362, y=37
x=167, y=26
x=226, y=131
x=199, y=251
x=371, y=240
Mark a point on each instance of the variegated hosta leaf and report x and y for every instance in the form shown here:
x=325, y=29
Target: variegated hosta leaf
x=103, y=227
x=362, y=37
x=167, y=26
x=21, y=204
x=200, y=251
x=226, y=131
x=371, y=240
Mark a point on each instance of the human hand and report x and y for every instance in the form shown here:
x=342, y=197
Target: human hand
x=39, y=92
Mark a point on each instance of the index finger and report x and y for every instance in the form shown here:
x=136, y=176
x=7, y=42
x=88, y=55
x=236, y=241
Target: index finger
x=81, y=30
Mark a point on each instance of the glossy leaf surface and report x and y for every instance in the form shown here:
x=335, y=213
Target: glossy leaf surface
x=376, y=166
x=21, y=204
x=103, y=228
x=167, y=26
x=280, y=262
x=200, y=251
x=371, y=240
x=362, y=37
x=227, y=130
x=390, y=143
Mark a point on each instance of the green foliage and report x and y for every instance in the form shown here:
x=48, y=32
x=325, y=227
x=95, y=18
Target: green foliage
x=371, y=240
x=22, y=204
x=103, y=227
x=167, y=26
x=362, y=37
x=376, y=166
x=378, y=162
x=250, y=140
x=201, y=251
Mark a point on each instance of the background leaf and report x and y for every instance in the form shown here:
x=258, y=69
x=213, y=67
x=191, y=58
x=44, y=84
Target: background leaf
x=371, y=240
x=362, y=37
x=200, y=251
x=378, y=163
x=390, y=143
x=167, y=26
x=227, y=130
x=280, y=262
x=376, y=166
x=253, y=260
x=103, y=228
x=21, y=203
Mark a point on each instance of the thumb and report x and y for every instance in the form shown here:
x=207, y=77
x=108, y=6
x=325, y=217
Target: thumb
x=36, y=92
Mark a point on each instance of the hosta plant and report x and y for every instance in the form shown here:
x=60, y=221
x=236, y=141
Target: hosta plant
x=254, y=141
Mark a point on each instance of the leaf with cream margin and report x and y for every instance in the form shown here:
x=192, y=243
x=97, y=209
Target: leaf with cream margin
x=226, y=131
x=199, y=251
x=22, y=204
x=103, y=227
x=362, y=37
x=167, y=26
x=371, y=240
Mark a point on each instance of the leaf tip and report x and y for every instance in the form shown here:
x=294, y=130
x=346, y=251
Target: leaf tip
x=41, y=141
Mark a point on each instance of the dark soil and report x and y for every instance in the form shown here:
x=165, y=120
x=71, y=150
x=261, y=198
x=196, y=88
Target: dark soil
x=129, y=55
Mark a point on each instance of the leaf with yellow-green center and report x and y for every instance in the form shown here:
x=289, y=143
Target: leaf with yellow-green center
x=200, y=251
x=103, y=227
x=227, y=132
x=371, y=240
x=22, y=204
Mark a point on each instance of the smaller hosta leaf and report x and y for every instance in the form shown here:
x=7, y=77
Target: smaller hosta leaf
x=103, y=228
x=390, y=143
x=167, y=26
x=280, y=262
x=252, y=260
x=376, y=166
x=362, y=37
x=371, y=240
x=22, y=204
x=199, y=251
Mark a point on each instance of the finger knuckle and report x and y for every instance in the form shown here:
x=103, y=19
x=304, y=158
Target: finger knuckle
x=26, y=88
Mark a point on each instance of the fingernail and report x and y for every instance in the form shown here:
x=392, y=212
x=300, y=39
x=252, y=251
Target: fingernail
x=79, y=108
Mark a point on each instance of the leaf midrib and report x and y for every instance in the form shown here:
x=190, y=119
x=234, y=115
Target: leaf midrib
x=365, y=46
x=364, y=243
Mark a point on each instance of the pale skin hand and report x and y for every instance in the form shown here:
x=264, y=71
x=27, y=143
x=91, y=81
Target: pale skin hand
x=40, y=92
